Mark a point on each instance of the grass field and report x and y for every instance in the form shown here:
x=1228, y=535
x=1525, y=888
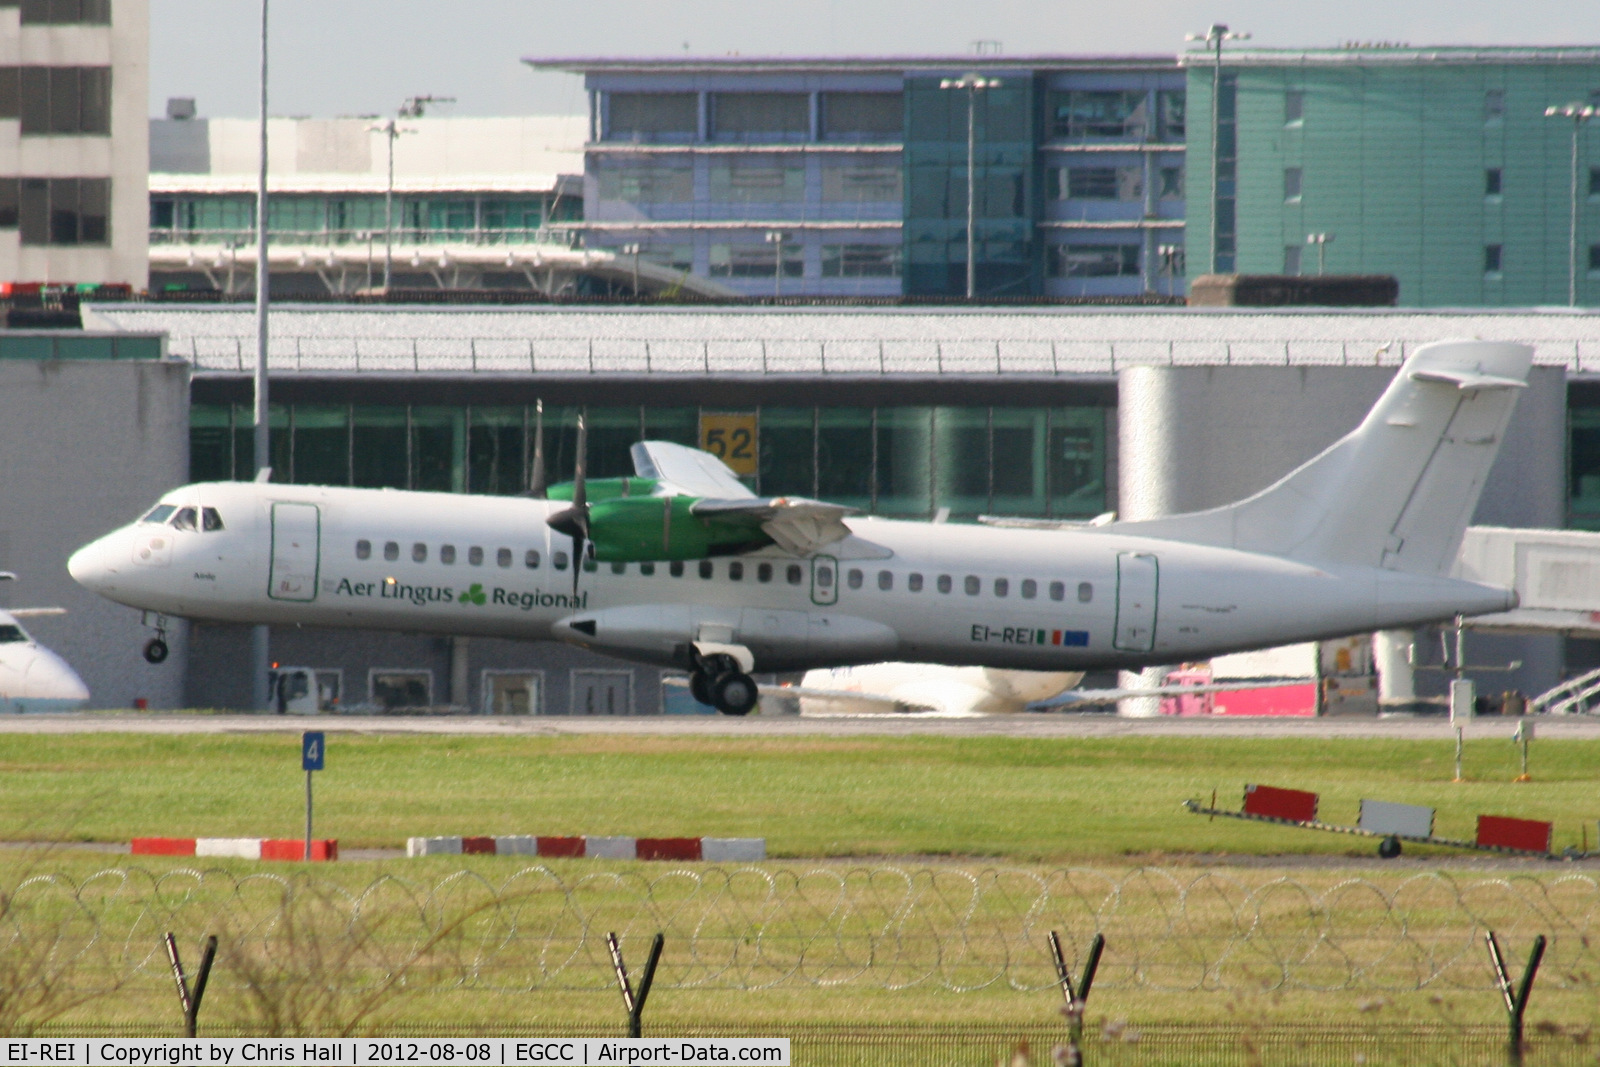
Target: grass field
x=1024, y=800
x=835, y=805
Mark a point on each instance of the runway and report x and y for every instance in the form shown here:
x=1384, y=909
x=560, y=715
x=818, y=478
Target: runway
x=1089, y=726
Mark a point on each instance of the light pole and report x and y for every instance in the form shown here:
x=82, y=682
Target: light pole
x=1214, y=38
x=391, y=131
x=775, y=238
x=1321, y=240
x=1170, y=256
x=633, y=250
x=973, y=84
x=1579, y=114
x=260, y=638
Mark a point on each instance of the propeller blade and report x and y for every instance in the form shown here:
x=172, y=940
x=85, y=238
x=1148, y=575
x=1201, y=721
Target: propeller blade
x=536, y=478
x=580, y=504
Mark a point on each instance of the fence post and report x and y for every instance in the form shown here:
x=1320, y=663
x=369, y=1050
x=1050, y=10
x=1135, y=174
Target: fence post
x=1516, y=1002
x=1077, y=998
x=630, y=1000
x=190, y=999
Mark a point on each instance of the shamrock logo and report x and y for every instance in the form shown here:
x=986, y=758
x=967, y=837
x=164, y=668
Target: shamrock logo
x=474, y=595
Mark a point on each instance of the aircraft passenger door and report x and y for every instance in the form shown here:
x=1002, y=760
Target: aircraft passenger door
x=296, y=548
x=824, y=580
x=1138, y=577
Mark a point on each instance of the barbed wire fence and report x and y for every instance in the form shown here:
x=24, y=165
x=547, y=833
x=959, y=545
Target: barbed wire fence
x=314, y=955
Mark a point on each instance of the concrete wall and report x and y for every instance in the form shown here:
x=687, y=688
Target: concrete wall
x=89, y=445
x=1199, y=437
x=220, y=654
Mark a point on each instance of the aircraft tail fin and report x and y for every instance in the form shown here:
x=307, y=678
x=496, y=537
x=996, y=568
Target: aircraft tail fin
x=1396, y=492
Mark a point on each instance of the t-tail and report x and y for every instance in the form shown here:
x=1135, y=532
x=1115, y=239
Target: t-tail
x=1396, y=492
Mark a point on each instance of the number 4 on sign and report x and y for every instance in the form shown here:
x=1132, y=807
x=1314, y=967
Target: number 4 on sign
x=312, y=750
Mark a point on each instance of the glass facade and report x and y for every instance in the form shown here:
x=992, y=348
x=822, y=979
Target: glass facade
x=1583, y=467
x=344, y=219
x=896, y=461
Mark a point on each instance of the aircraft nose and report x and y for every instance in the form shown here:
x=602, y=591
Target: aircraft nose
x=92, y=566
x=49, y=677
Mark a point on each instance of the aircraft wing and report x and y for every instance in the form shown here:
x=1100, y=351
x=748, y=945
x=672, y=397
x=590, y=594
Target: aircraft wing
x=796, y=525
x=1093, y=697
x=33, y=613
x=687, y=471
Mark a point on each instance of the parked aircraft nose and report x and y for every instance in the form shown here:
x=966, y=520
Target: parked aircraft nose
x=48, y=677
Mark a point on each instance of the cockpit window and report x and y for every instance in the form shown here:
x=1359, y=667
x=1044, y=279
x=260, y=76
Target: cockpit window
x=210, y=519
x=185, y=519
x=159, y=513
x=10, y=634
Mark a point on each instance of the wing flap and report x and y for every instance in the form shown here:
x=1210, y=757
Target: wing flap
x=796, y=525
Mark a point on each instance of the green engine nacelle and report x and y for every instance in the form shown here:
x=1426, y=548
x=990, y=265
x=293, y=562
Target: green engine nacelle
x=638, y=529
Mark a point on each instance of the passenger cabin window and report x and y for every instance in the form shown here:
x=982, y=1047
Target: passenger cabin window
x=886, y=580
x=558, y=560
x=419, y=552
x=1030, y=589
x=706, y=568
x=475, y=556
x=530, y=558
x=185, y=519
x=647, y=569
x=159, y=513
x=675, y=568
x=589, y=564
x=944, y=583
x=447, y=554
x=619, y=568
x=1085, y=592
x=795, y=574
x=363, y=550
x=1001, y=587
x=391, y=550
x=210, y=520
x=853, y=578
x=735, y=571
x=972, y=585
x=1058, y=591
x=914, y=582
x=503, y=557
x=763, y=572
x=824, y=577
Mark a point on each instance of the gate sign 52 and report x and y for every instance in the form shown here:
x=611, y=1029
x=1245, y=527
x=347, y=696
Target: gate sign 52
x=731, y=438
x=313, y=749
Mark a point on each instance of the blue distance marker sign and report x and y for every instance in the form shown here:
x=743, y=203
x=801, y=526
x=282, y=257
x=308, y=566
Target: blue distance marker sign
x=313, y=750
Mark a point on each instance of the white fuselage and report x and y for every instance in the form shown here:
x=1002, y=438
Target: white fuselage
x=33, y=678
x=1023, y=599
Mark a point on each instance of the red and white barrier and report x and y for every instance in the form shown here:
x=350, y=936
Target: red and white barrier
x=711, y=849
x=243, y=848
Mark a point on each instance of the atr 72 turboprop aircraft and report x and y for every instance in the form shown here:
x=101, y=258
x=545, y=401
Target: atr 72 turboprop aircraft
x=683, y=566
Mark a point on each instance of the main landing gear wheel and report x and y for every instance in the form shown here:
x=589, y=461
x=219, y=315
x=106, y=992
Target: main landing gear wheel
x=1389, y=848
x=734, y=693
x=155, y=650
x=700, y=687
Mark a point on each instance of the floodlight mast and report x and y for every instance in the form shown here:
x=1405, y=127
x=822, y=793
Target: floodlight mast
x=1579, y=114
x=260, y=637
x=413, y=108
x=973, y=84
x=1213, y=39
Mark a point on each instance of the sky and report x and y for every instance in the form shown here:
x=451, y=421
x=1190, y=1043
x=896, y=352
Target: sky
x=353, y=57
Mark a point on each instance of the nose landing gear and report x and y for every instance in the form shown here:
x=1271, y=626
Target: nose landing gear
x=718, y=681
x=155, y=649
